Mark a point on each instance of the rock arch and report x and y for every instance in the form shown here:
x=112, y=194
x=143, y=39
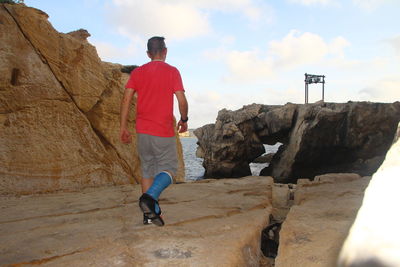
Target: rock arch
x=317, y=138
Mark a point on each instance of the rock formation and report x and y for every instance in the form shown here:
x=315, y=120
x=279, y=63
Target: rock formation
x=59, y=110
x=317, y=224
x=208, y=223
x=317, y=138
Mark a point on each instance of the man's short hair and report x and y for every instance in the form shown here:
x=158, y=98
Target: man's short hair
x=155, y=45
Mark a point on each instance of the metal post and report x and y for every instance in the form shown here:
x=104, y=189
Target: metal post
x=311, y=78
x=305, y=89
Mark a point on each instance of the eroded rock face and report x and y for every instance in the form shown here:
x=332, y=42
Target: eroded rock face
x=317, y=139
x=59, y=110
x=229, y=145
x=333, y=138
x=72, y=59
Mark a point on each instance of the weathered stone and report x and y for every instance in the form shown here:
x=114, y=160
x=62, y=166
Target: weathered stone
x=274, y=125
x=264, y=158
x=74, y=61
x=281, y=201
x=46, y=142
x=374, y=238
x=303, y=182
x=51, y=137
x=229, y=145
x=317, y=139
x=80, y=34
x=336, y=138
x=208, y=223
x=280, y=195
x=336, y=177
x=314, y=229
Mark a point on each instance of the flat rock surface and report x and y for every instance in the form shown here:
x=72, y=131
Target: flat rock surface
x=208, y=223
x=315, y=229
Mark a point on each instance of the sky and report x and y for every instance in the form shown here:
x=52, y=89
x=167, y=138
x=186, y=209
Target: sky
x=232, y=53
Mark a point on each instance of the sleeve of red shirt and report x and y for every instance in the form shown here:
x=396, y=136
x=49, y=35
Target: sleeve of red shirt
x=132, y=81
x=177, y=81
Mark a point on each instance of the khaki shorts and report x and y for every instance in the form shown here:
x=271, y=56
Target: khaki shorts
x=157, y=154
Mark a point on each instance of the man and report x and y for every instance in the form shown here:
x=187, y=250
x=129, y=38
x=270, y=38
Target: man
x=155, y=83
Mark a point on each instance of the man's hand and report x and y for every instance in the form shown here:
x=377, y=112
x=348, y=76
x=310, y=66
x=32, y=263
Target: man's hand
x=182, y=127
x=125, y=136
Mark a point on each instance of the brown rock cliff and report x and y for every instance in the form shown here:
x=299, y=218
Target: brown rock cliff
x=59, y=110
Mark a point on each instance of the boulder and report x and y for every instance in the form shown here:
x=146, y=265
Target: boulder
x=317, y=138
x=59, y=110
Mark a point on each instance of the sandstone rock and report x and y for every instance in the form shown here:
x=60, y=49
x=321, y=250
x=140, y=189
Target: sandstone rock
x=80, y=34
x=317, y=139
x=208, y=223
x=374, y=238
x=303, y=182
x=47, y=143
x=336, y=177
x=282, y=200
x=280, y=195
x=74, y=62
x=59, y=117
x=314, y=229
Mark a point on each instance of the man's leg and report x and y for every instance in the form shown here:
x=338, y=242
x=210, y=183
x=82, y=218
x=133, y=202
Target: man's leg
x=161, y=181
x=146, y=183
x=148, y=202
x=148, y=166
x=165, y=158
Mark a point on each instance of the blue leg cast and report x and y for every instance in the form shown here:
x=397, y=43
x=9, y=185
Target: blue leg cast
x=161, y=181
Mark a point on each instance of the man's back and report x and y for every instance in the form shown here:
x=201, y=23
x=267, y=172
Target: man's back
x=155, y=84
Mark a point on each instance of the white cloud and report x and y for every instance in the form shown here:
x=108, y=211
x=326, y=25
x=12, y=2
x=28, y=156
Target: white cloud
x=297, y=49
x=253, y=10
x=383, y=90
x=294, y=50
x=369, y=5
x=176, y=19
x=248, y=65
x=395, y=42
x=109, y=52
x=172, y=19
x=314, y=2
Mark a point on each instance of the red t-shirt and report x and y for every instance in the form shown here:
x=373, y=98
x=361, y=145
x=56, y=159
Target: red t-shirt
x=155, y=84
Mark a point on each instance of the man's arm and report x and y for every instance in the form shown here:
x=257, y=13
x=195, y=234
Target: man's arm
x=124, y=134
x=183, y=110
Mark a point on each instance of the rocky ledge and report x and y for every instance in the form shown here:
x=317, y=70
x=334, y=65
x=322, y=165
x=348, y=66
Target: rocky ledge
x=209, y=223
x=316, y=138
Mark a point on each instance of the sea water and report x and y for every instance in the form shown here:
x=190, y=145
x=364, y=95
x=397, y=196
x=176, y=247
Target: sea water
x=194, y=166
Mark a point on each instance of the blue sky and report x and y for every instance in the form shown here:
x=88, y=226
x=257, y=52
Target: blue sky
x=237, y=52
